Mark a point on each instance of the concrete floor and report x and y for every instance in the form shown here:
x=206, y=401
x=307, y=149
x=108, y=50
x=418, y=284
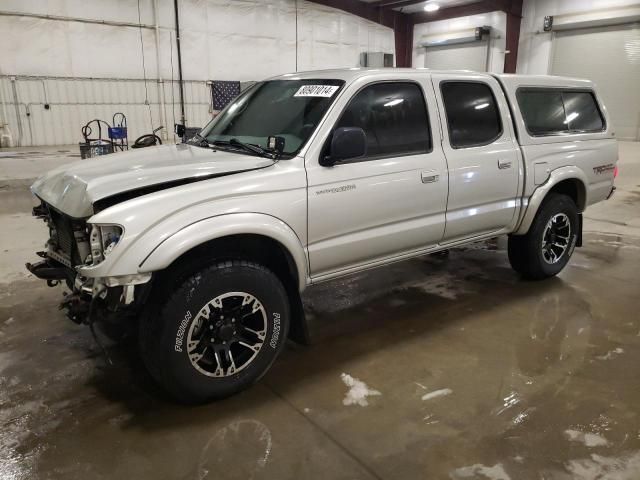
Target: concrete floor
x=433, y=368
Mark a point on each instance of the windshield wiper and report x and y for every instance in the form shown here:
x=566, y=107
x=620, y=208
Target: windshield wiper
x=250, y=147
x=247, y=147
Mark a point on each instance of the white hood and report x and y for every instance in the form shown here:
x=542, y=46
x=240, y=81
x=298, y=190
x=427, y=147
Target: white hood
x=73, y=188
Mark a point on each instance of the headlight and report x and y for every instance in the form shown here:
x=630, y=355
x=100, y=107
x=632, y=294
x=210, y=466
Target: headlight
x=103, y=239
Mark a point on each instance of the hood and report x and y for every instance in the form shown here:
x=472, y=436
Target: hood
x=74, y=188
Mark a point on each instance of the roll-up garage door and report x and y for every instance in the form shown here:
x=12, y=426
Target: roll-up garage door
x=610, y=56
x=465, y=56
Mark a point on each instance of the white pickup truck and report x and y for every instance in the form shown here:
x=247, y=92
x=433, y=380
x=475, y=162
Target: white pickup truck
x=307, y=177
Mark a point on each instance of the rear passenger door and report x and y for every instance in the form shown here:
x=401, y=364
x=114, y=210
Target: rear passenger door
x=392, y=200
x=481, y=151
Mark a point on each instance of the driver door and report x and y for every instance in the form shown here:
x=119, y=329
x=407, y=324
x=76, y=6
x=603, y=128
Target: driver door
x=389, y=202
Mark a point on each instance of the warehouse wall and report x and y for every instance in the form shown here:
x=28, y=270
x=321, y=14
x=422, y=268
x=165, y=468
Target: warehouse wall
x=221, y=40
x=535, y=45
x=496, y=20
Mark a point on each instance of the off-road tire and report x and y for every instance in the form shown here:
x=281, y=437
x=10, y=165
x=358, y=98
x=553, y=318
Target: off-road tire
x=526, y=252
x=164, y=330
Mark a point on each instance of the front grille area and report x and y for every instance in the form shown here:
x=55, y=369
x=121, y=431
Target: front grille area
x=62, y=234
x=68, y=241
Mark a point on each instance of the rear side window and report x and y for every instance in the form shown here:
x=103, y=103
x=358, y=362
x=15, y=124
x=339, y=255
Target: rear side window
x=582, y=112
x=554, y=111
x=472, y=114
x=543, y=112
x=393, y=115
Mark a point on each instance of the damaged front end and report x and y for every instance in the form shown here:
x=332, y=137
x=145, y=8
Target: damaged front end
x=73, y=244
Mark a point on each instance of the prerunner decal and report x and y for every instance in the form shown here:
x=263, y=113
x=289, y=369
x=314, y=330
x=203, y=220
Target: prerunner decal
x=600, y=169
x=276, y=330
x=316, y=91
x=342, y=188
x=181, y=329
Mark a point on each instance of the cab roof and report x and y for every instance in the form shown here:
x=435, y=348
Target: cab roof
x=510, y=81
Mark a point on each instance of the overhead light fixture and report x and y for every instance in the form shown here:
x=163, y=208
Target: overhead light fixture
x=431, y=7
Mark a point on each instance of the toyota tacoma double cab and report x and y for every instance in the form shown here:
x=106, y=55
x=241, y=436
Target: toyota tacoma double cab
x=206, y=246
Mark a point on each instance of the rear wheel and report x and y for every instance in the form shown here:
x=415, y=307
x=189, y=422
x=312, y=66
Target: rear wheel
x=548, y=245
x=218, y=332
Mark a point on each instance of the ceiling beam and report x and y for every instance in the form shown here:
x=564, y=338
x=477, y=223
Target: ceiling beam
x=394, y=3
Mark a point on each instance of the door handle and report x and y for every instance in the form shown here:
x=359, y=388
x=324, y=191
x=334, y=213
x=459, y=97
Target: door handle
x=429, y=177
x=504, y=164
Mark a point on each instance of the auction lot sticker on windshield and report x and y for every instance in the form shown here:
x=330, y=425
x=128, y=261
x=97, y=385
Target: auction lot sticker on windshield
x=316, y=91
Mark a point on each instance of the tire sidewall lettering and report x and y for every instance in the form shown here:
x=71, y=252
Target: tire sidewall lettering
x=182, y=328
x=275, y=334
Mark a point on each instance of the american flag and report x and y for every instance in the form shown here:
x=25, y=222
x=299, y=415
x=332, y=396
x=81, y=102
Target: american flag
x=223, y=92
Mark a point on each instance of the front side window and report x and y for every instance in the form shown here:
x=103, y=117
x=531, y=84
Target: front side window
x=393, y=116
x=291, y=109
x=554, y=111
x=473, y=117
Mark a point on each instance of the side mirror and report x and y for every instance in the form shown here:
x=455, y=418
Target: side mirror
x=347, y=143
x=179, y=129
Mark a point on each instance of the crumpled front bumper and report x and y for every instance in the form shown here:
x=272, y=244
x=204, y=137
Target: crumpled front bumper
x=111, y=293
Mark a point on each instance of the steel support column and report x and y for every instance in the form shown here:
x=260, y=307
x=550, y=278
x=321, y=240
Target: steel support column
x=514, y=18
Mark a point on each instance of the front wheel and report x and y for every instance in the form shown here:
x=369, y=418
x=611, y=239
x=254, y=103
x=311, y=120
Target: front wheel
x=548, y=245
x=218, y=332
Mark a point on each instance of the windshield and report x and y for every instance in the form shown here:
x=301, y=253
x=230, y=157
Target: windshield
x=290, y=109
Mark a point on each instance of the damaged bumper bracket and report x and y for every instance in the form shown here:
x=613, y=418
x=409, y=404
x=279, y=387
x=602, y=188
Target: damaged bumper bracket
x=48, y=270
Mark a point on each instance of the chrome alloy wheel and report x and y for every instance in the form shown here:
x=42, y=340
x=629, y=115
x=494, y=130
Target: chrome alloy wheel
x=556, y=238
x=227, y=334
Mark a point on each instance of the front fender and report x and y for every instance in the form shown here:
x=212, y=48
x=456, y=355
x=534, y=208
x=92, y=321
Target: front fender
x=556, y=176
x=220, y=226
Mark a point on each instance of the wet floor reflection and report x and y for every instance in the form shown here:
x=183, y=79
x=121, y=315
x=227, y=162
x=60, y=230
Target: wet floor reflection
x=478, y=375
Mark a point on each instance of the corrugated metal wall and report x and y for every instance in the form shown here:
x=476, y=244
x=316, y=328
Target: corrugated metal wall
x=221, y=40
x=73, y=102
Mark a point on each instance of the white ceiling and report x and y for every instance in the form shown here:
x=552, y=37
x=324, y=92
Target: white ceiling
x=419, y=7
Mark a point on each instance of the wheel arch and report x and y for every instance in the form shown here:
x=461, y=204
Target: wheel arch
x=570, y=181
x=574, y=189
x=250, y=228
x=254, y=237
